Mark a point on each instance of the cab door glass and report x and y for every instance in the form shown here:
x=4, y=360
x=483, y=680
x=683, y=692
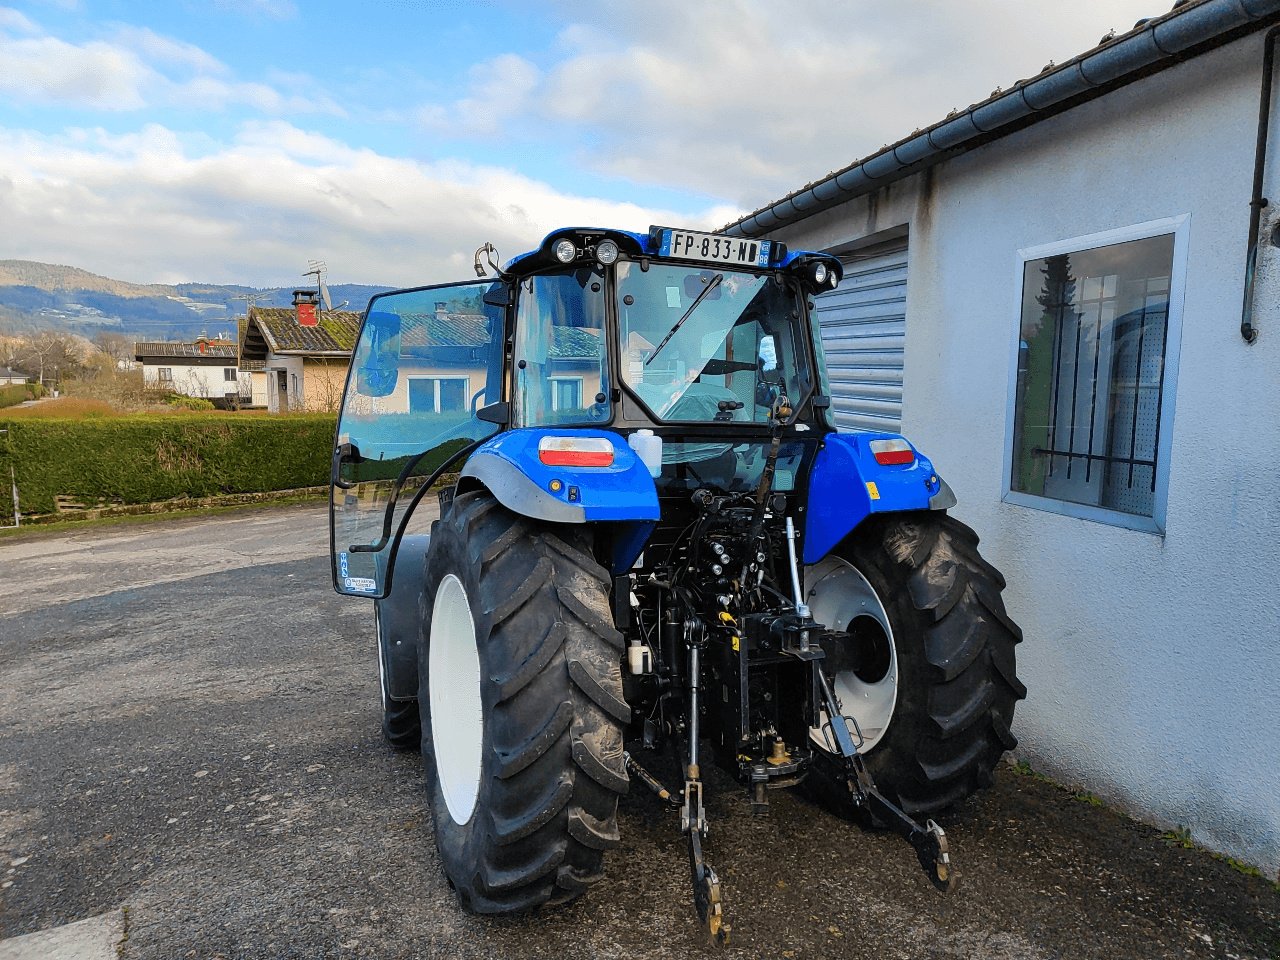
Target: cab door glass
x=425, y=363
x=561, y=372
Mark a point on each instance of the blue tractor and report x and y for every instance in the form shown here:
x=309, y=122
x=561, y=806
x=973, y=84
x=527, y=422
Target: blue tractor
x=656, y=539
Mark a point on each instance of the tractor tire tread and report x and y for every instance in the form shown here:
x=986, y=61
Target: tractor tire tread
x=554, y=710
x=957, y=679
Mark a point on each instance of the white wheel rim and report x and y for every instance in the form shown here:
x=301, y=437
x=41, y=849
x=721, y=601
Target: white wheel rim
x=457, y=715
x=838, y=595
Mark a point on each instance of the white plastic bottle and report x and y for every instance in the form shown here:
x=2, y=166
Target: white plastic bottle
x=649, y=449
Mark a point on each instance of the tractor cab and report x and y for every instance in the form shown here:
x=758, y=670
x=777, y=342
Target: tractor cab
x=705, y=342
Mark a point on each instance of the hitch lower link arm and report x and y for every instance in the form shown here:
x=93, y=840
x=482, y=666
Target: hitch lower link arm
x=928, y=841
x=693, y=817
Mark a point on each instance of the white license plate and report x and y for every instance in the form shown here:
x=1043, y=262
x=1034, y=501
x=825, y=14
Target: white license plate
x=691, y=245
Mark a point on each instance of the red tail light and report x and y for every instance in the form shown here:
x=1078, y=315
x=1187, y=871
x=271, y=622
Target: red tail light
x=890, y=453
x=575, y=451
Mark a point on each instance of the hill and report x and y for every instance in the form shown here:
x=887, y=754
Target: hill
x=45, y=296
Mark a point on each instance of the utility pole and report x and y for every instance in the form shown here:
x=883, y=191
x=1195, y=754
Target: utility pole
x=250, y=299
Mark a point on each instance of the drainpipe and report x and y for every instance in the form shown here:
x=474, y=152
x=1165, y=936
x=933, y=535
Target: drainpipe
x=1256, y=205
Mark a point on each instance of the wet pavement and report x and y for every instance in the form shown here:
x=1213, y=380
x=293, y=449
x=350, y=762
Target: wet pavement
x=189, y=731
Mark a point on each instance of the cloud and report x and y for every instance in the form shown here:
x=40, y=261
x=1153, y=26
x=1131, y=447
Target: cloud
x=15, y=22
x=748, y=100
x=97, y=75
x=255, y=209
x=498, y=90
x=135, y=68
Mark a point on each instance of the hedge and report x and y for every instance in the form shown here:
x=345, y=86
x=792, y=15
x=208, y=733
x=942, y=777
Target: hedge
x=150, y=458
x=142, y=459
x=13, y=394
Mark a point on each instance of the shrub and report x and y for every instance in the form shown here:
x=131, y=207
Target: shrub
x=143, y=458
x=11, y=395
x=190, y=403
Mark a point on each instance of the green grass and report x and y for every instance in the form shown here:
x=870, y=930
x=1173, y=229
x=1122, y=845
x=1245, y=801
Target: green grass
x=1179, y=837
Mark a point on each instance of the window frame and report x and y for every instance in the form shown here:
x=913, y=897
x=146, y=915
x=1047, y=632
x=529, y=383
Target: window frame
x=435, y=394
x=164, y=374
x=1179, y=228
x=558, y=378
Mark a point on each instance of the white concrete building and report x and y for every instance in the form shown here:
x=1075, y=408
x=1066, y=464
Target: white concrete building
x=1044, y=292
x=205, y=369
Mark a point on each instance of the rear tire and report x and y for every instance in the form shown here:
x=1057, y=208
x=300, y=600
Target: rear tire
x=956, y=678
x=401, y=725
x=522, y=726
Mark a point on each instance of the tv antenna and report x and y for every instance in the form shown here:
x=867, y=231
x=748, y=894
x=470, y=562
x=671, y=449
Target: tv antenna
x=319, y=269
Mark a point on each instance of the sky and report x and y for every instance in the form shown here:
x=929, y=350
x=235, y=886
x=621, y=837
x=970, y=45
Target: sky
x=231, y=141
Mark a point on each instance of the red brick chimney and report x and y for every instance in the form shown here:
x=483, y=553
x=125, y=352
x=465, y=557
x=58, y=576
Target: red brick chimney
x=304, y=306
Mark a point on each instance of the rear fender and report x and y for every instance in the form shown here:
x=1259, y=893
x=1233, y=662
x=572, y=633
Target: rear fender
x=847, y=485
x=400, y=618
x=621, y=495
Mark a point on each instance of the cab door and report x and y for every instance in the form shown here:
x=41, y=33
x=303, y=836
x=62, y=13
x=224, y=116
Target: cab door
x=425, y=372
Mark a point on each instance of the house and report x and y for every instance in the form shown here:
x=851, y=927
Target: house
x=301, y=367
x=10, y=377
x=1053, y=292
x=206, y=368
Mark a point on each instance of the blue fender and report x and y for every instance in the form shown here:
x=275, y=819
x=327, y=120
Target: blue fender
x=846, y=486
x=621, y=492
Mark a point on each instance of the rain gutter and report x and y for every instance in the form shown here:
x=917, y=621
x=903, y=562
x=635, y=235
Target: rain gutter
x=1187, y=31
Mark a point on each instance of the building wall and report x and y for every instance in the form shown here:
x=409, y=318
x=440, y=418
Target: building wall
x=322, y=383
x=192, y=380
x=1151, y=660
x=293, y=397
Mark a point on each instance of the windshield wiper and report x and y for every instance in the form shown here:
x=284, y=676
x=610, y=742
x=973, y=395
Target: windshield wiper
x=715, y=282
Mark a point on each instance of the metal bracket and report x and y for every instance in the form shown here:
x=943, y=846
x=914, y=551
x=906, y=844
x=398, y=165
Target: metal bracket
x=693, y=816
x=706, y=893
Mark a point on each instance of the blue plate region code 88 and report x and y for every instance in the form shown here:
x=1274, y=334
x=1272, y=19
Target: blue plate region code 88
x=691, y=245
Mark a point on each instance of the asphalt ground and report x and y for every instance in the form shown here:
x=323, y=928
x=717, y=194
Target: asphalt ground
x=189, y=730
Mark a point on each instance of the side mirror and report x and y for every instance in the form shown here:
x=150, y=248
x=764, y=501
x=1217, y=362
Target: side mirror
x=379, y=368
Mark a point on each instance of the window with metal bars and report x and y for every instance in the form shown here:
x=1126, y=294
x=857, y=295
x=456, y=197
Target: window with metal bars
x=1091, y=375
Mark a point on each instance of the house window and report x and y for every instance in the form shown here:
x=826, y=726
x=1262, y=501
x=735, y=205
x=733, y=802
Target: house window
x=438, y=394
x=566, y=393
x=165, y=374
x=229, y=374
x=1093, y=367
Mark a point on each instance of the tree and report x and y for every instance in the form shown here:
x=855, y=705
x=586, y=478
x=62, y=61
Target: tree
x=118, y=346
x=48, y=356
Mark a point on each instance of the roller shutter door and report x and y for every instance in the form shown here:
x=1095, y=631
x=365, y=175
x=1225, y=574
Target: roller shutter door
x=863, y=326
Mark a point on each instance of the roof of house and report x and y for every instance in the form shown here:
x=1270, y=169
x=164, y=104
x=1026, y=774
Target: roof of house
x=1192, y=27
x=199, y=350
x=276, y=329
x=7, y=374
x=472, y=330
